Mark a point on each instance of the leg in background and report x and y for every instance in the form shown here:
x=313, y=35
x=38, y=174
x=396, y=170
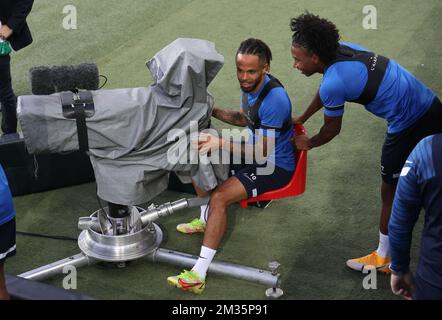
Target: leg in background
x=3, y=291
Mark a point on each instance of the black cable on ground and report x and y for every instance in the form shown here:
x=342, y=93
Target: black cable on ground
x=30, y=234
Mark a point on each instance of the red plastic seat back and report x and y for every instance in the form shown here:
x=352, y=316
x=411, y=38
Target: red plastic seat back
x=296, y=186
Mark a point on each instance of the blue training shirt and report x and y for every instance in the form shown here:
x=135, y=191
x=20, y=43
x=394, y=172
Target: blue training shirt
x=275, y=110
x=7, y=211
x=420, y=185
x=401, y=99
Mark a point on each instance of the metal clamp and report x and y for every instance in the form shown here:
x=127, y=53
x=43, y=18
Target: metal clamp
x=274, y=292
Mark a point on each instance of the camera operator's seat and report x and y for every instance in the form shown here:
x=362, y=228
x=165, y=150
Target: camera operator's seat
x=296, y=186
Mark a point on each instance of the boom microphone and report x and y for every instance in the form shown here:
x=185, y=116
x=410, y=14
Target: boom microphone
x=46, y=80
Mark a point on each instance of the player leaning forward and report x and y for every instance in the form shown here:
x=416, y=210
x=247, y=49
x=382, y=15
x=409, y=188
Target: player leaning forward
x=354, y=74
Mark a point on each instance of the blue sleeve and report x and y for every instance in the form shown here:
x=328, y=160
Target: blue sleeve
x=7, y=211
x=332, y=94
x=408, y=203
x=274, y=111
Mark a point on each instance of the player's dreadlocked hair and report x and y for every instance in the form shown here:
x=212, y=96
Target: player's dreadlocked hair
x=256, y=47
x=319, y=36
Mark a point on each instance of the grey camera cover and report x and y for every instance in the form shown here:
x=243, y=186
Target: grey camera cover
x=128, y=134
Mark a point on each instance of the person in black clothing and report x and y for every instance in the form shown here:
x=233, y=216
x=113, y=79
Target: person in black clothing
x=14, y=29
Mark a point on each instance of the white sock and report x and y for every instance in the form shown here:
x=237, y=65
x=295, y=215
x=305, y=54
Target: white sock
x=384, y=245
x=206, y=257
x=204, y=212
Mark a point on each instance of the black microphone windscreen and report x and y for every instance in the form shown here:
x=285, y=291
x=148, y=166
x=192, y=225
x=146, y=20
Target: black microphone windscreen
x=46, y=80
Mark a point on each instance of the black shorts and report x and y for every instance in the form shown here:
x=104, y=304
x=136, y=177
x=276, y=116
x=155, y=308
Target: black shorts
x=256, y=183
x=398, y=146
x=7, y=240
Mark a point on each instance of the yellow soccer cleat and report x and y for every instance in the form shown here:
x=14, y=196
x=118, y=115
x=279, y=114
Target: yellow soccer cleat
x=373, y=260
x=196, y=225
x=188, y=281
